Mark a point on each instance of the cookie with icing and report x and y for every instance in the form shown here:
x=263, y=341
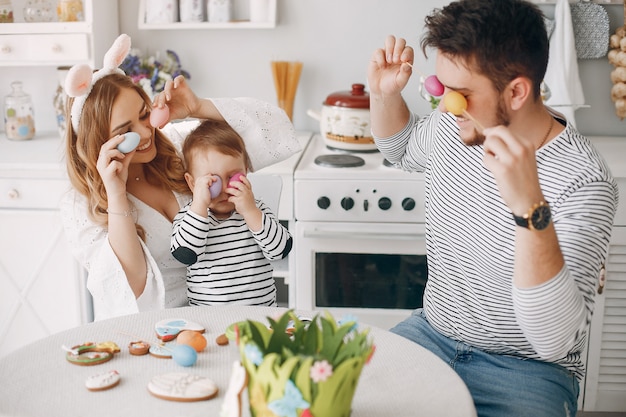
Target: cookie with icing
x=169, y=329
x=91, y=353
x=103, y=381
x=181, y=386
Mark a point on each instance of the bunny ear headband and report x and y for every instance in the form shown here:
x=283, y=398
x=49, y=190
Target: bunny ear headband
x=80, y=78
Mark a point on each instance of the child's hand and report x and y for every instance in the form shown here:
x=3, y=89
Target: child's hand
x=241, y=195
x=202, y=193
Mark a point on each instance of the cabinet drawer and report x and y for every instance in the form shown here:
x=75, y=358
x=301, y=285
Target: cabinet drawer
x=31, y=193
x=44, y=48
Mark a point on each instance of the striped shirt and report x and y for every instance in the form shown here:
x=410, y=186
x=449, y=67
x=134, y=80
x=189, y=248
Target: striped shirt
x=227, y=262
x=470, y=237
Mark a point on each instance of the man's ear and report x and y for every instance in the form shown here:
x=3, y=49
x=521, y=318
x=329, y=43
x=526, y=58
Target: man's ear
x=190, y=181
x=520, y=91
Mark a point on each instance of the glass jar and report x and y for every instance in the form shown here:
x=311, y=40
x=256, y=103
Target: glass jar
x=19, y=117
x=70, y=10
x=6, y=11
x=39, y=11
x=59, y=101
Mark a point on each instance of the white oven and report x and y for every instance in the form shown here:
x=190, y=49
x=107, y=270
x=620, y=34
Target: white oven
x=359, y=239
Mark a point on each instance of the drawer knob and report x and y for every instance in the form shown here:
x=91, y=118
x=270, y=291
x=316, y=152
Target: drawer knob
x=56, y=48
x=13, y=194
x=5, y=49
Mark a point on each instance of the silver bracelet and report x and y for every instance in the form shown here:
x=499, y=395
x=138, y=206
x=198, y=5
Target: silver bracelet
x=127, y=213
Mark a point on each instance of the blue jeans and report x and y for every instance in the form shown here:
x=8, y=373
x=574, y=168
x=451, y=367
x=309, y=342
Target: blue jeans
x=501, y=386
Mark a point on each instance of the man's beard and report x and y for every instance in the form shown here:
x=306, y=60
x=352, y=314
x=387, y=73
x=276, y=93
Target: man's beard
x=501, y=119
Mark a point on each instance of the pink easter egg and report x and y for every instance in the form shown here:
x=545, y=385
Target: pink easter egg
x=236, y=178
x=216, y=188
x=159, y=116
x=433, y=86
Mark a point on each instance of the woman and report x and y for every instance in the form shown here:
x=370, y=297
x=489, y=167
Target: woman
x=118, y=216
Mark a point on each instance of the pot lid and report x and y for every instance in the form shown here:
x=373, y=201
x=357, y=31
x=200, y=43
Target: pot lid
x=357, y=98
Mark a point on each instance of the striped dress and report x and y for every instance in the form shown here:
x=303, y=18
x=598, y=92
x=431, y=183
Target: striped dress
x=470, y=236
x=228, y=263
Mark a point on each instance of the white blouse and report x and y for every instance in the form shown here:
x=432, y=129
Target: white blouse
x=269, y=137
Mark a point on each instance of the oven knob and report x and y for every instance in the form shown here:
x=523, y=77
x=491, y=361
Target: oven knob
x=323, y=203
x=347, y=203
x=408, y=204
x=384, y=203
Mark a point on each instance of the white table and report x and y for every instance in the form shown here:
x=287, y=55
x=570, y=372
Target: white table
x=402, y=379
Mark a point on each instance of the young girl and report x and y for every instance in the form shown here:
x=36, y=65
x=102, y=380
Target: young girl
x=118, y=215
x=224, y=235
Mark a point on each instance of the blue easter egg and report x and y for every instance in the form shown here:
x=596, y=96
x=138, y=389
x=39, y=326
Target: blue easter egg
x=184, y=355
x=131, y=140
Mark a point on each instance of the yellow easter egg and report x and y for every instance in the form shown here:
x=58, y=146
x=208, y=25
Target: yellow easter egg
x=455, y=103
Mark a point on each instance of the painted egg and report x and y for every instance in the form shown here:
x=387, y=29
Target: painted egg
x=455, y=103
x=184, y=355
x=235, y=178
x=433, y=86
x=159, y=116
x=131, y=140
x=216, y=188
x=194, y=339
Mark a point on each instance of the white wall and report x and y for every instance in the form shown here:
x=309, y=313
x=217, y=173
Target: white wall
x=333, y=38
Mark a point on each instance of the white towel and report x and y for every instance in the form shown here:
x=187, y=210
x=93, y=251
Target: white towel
x=562, y=73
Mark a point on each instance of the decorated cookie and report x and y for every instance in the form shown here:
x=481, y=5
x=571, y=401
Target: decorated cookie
x=180, y=386
x=161, y=351
x=138, y=348
x=103, y=381
x=91, y=354
x=168, y=329
x=231, y=407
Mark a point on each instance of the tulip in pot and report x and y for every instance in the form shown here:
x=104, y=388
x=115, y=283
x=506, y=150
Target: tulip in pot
x=345, y=120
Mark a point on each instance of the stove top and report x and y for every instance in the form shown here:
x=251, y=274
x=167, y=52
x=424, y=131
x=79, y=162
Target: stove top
x=337, y=185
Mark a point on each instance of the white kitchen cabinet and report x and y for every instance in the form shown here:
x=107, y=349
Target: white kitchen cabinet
x=242, y=22
x=605, y=386
x=42, y=288
x=60, y=43
x=605, y=381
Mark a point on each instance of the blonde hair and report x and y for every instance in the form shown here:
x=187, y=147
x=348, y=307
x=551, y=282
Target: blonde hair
x=83, y=148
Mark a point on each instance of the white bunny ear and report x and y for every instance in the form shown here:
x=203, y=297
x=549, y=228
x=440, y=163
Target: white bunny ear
x=118, y=52
x=78, y=80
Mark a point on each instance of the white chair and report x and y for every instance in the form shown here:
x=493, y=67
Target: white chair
x=267, y=188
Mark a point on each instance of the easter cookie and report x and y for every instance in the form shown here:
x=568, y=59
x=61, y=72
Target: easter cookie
x=231, y=407
x=160, y=351
x=103, y=381
x=138, y=348
x=90, y=353
x=168, y=329
x=180, y=386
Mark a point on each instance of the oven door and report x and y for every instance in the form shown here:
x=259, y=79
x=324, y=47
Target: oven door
x=376, y=272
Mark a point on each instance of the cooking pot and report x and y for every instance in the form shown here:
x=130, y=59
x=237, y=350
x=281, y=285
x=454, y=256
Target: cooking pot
x=345, y=120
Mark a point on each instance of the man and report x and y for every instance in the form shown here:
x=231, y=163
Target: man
x=518, y=215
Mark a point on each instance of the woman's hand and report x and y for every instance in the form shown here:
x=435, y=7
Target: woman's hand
x=180, y=99
x=390, y=68
x=113, y=165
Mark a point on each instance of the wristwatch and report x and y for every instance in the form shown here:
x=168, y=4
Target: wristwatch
x=537, y=218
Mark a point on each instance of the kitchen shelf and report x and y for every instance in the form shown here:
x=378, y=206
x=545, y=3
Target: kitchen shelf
x=59, y=43
x=234, y=24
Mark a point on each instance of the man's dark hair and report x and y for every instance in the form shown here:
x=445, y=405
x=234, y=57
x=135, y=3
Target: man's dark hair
x=501, y=39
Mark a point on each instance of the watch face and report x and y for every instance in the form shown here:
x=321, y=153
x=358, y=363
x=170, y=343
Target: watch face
x=540, y=219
